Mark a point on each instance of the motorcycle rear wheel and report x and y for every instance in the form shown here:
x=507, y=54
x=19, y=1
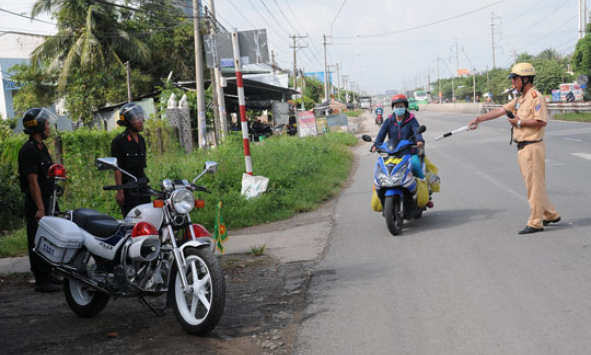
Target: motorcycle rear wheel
x=199, y=310
x=393, y=214
x=83, y=299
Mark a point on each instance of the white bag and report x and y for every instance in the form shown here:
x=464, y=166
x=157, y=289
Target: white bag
x=252, y=186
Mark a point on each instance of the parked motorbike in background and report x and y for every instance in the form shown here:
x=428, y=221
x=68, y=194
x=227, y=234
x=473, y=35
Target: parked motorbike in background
x=157, y=249
x=396, y=186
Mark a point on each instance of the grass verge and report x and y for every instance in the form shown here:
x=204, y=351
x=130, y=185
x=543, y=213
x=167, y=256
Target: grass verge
x=573, y=116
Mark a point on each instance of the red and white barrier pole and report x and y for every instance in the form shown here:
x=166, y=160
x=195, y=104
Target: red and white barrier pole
x=241, y=101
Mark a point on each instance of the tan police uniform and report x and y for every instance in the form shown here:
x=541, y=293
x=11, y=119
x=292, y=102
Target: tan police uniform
x=532, y=155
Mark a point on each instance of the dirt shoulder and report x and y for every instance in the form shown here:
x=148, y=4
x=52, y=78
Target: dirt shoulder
x=265, y=300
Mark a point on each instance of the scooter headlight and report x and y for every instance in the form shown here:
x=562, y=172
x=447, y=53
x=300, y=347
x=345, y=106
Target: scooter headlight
x=398, y=176
x=183, y=201
x=382, y=179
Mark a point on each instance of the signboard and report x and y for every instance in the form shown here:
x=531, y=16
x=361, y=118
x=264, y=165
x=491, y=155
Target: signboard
x=319, y=75
x=321, y=125
x=463, y=72
x=555, y=95
x=306, y=124
x=571, y=92
x=253, y=48
x=337, y=123
x=280, y=113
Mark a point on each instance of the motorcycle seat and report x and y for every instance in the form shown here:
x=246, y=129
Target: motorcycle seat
x=96, y=223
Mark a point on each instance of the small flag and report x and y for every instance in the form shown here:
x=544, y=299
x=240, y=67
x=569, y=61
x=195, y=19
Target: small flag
x=220, y=235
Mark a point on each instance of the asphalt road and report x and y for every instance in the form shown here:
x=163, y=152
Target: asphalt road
x=460, y=280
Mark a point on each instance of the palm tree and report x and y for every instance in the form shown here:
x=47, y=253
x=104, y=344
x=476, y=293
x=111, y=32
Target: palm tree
x=89, y=37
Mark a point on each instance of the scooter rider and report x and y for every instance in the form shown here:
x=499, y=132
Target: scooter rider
x=33, y=165
x=528, y=130
x=129, y=148
x=400, y=126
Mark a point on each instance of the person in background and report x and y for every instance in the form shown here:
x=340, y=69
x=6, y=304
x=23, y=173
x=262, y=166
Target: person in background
x=129, y=148
x=34, y=162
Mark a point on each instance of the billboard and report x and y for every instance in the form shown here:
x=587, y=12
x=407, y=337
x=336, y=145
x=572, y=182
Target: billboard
x=571, y=92
x=319, y=75
x=253, y=48
x=338, y=123
x=463, y=72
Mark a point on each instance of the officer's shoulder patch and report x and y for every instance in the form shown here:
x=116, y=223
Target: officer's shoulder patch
x=534, y=94
x=538, y=106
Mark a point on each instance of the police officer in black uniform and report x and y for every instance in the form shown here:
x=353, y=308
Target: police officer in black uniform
x=129, y=148
x=33, y=165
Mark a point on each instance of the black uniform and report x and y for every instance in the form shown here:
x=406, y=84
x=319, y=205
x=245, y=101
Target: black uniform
x=33, y=158
x=131, y=157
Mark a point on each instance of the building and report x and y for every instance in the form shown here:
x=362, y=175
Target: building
x=15, y=48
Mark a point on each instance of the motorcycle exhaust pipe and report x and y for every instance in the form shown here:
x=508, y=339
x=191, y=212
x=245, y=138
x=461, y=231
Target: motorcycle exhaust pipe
x=70, y=275
x=144, y=248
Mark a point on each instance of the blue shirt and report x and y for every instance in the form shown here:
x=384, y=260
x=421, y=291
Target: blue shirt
x=399, y=131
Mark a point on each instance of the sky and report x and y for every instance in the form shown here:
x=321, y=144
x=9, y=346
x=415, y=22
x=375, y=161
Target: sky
x=387, y=44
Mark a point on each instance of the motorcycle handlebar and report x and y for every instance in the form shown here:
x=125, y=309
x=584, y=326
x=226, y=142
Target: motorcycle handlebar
x=200, y=188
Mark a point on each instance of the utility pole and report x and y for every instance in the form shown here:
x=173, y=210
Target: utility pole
x=325, y=73
x=474, y=82
x=129, y=96
x=199, y=79
x=493, y=17
x=457, y=57
x=273, y=62
x=214, y=85
x=345, y=78
x=220, y=90
x=295, y=67
x=338, y=83
x=438, y=80
x=582, y=18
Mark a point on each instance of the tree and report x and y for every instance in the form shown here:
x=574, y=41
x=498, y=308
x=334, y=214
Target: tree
x=581, y=58
x=89, y=38
x=37, y=87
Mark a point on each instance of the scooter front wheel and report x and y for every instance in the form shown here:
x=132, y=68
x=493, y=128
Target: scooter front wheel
x=393, y=214
x=83, y=299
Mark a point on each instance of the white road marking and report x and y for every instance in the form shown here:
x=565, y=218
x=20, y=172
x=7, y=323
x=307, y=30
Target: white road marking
x=582, y=155
x=573, y=139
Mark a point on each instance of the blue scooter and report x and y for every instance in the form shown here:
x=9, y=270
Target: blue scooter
x=395, y=184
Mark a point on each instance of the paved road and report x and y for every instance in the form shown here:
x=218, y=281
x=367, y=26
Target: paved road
x=461, y=280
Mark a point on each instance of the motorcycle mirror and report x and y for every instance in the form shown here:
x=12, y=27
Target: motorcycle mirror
x=106, y=163
x=211, y=166
x=421, y=129
x=366, y=138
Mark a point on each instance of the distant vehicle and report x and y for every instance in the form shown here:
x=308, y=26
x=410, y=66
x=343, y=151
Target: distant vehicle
x=365, y=102
x=387, y=102
x=413, y=104
x=421, y=96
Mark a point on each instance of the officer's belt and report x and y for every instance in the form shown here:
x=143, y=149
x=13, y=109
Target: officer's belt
x=521, y=145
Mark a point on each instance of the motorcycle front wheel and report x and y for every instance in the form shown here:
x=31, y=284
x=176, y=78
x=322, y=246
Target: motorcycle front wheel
x=200, y=308
x=84, y=300
x=393, y=214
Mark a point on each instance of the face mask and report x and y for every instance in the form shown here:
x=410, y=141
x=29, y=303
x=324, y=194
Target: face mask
x=399, y=111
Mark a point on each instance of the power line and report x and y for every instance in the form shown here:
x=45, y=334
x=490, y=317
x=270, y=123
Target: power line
x=273, y=17
x=27, y=17
x=423, y=26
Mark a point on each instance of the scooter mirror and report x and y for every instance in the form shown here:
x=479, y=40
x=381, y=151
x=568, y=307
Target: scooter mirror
x=106, y=163
x=421, y=129
x=366, y=138
x=211, y=166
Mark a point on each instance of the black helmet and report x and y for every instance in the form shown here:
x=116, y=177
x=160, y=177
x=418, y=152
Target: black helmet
x=34, y=120
x=129, y=113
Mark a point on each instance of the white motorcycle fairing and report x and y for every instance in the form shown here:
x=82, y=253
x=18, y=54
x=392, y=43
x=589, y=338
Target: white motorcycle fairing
x=146, y=213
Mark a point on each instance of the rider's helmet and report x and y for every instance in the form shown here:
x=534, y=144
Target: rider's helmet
x=34, y=120
x=130, y=113
x=399, y=98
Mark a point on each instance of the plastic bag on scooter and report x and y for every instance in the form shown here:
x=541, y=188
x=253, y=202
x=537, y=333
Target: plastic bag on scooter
x=431, y=176
x=422, y=193
x=376, y=204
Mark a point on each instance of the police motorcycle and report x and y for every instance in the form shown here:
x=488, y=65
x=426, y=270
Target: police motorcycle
x=157, y=249
x=395, y=185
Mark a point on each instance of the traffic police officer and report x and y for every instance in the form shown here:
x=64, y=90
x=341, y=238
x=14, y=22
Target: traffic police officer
x=33, y=165
x=129, y=148
x=528, y=127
